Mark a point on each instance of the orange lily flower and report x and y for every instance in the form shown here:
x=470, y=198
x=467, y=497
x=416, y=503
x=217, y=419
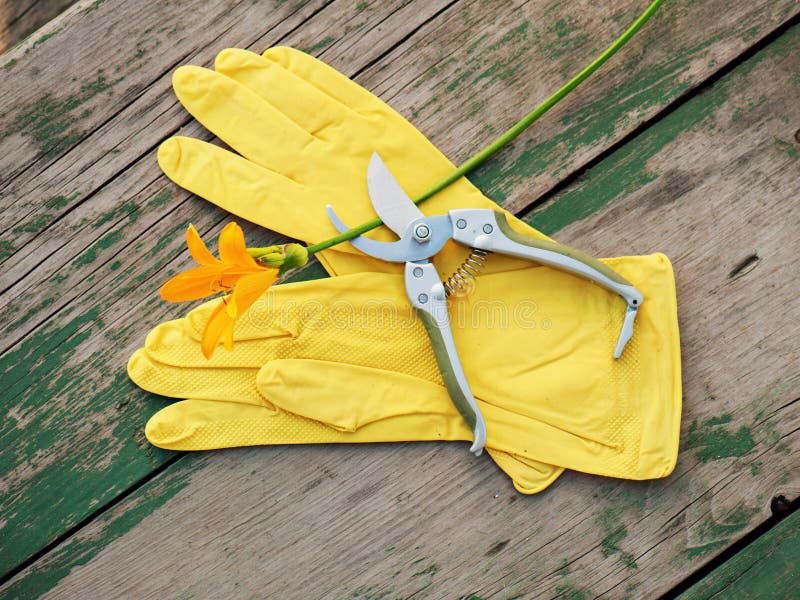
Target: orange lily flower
x=235, y=270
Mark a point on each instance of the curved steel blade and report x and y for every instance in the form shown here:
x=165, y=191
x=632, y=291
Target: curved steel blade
x=406, y=248
x=392, y=204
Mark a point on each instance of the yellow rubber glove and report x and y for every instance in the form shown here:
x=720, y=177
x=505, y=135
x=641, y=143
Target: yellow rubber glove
x=232, y=182
x=346, y=360
x=305, y=134
x=227, y=179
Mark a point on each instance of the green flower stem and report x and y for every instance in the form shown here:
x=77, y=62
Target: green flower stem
x=509, y=135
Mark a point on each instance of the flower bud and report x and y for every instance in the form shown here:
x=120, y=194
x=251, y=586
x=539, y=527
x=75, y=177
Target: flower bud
x=282, y=256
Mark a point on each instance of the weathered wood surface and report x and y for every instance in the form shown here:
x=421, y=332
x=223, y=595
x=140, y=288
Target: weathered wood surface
x=19, y=18
x=766, y=569
x=95, y=229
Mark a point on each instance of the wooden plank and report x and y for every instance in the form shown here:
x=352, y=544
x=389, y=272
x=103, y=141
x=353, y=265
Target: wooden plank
x=79, y=316
x=20, y=18
x=710, y=184
x=50, y=289
x=765, y=569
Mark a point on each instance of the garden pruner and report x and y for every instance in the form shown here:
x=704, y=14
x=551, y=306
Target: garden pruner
x=485, y=231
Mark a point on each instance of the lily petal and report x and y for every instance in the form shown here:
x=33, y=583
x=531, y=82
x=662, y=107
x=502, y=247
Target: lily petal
x=194, y=284
x=250, y=288
x=198, y=249
x=232, y=248
x=219, y=326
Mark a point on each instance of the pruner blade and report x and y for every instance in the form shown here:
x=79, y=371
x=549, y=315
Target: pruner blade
x=626, y=332
x=391, y=203
x=407, y=248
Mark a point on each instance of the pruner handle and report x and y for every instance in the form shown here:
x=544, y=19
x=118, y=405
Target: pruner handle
x=426, y=293
x=489, y=230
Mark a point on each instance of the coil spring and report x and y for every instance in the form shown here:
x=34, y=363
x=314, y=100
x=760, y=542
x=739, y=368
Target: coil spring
x=458, y=283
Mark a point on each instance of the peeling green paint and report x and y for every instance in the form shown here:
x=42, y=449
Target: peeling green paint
x=562, y=37
x=786, y=147
x=751, y=33
x=564, y=569
x=710, y=535
x=50, y=121
x=568, y=592
x=10, y=63
x=36, y=224
x=127, y=208
x=169, y=237
x=766, y=568
x=161, y=198
x=431, y=570
x=614, y=531
x=93, y=6
x=83, y=547
x=712, y=441
x=47, y=393
x=105, y=242
x=486, y=67
x=710, y=529
x=696, y=551
x=35, y=309
x=6, y=249
x=319, y=45
x=61, y=201
x=43, y=39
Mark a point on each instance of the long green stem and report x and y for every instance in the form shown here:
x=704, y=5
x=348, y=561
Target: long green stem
x=509, y=135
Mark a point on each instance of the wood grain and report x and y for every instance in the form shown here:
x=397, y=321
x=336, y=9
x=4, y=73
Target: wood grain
x=711, y=184
x=20, y=18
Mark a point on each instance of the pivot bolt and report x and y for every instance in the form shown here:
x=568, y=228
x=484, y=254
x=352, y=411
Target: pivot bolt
x=461, y=223
x=422, y=233
x=423, y=298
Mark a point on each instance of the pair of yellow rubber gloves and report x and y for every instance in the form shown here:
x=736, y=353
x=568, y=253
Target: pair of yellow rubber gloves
x=343, y=359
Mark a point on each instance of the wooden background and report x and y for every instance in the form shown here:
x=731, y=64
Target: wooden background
x=687, y=142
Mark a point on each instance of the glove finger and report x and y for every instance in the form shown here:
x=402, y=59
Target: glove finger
x=460, y=194
x=244, y=121
x=177, y=345
x=529, y=476
x=333, y=319
x=372, y=398
x=196, y=424
x=208, y=424
x=364, y=396
x=326, y=79
x=300, y=101
x=235, y=385
x=327, y=171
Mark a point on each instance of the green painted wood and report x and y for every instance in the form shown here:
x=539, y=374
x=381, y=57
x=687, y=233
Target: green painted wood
x=723, y=163
x=768, y=568
x=81, y=268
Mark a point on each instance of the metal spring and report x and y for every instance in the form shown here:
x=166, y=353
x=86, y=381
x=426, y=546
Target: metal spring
x=458, y=283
